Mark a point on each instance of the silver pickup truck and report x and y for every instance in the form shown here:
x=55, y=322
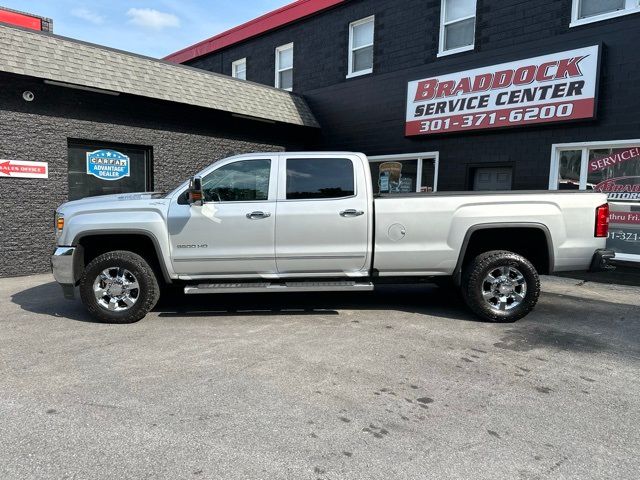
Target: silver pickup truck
x=310, y=222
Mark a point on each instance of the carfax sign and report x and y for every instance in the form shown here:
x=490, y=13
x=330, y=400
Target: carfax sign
x=550, y=88
x=108, y=164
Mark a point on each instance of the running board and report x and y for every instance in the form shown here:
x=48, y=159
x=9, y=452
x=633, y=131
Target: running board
x=258, y=287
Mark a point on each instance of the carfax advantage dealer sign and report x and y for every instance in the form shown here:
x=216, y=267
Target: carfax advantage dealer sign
x=550, y=88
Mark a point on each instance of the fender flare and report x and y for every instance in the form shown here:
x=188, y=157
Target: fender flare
x=457, y=273
x=130, y=231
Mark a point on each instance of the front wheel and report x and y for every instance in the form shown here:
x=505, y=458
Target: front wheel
x=501, y=286
x=119, y=287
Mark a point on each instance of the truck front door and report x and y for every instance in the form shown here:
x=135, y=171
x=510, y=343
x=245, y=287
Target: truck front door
x=232, y=233
x=322, y=216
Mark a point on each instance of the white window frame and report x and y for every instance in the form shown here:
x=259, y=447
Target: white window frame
x=443, y=24
x=584, y=147
x=420, y=157
x=282, y=48
x=236, y=64
x=631, y=6
x=352, y=25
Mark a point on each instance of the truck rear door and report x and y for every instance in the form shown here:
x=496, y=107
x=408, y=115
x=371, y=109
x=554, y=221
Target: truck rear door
x=323, y=215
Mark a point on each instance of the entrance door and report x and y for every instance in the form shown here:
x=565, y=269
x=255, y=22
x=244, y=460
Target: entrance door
x=492, y=179
x=232, y=233
x=322, y=221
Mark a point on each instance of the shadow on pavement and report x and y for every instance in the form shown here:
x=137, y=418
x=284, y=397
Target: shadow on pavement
x=429, y=300
x=47, y=299
x=624, y=274
x=423, y=299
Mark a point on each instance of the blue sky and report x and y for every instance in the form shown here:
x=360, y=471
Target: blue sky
x=154, y=27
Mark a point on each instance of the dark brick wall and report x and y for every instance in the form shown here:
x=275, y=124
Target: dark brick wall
x=367, y=113
x=183, y=141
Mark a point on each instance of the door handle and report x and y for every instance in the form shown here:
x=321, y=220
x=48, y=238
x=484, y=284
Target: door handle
x=351, y=213
x=258, y=215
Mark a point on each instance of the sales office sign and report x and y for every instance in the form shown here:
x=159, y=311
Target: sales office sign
x=550, y=88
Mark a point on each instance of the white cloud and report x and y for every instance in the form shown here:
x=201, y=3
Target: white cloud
x=150, y=18
x=87, y=15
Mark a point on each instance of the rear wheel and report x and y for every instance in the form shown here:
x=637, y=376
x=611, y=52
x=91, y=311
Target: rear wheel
x=119, y=287
x=501, y=286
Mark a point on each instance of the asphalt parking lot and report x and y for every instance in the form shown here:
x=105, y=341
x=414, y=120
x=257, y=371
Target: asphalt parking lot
x=403, y=383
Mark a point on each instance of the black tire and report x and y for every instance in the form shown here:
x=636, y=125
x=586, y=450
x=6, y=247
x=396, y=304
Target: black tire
x=474, y=284
x=147, y=294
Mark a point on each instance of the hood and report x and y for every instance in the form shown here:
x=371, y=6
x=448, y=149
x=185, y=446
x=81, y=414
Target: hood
x=118, y=197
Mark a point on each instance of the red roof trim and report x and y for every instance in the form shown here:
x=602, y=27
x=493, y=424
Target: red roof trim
x=20, y=19
x=275, y=19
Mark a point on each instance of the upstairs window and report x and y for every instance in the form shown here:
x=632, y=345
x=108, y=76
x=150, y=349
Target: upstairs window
x=239, y=69
x=284, y=67
x=587, y=11
x=361, y=47
x=457, y=26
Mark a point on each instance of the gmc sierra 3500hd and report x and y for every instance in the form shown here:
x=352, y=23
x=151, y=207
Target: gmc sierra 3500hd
x=292, y=222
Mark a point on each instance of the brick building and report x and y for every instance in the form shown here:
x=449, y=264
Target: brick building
x=359, y=63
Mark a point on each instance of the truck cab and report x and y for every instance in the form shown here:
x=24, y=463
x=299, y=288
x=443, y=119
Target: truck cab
x=269, y=216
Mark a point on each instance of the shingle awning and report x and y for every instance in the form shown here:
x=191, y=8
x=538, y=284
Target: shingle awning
x=60, y=59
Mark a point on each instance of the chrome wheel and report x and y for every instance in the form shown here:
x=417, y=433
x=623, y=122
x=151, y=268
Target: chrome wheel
x=116, y=289
x=504, y=288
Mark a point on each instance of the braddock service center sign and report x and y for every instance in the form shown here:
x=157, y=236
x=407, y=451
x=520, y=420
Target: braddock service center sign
x=550, y=88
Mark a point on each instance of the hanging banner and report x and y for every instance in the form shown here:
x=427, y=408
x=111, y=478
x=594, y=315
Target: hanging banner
x=23, y=169
x=616, y=158
x=108, y=165
x=550, y=88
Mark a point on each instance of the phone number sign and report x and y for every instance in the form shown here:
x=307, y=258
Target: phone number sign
x=549, y=88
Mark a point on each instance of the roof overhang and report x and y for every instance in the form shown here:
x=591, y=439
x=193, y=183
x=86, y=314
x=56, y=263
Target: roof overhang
x=278, y=18
x=61, y=60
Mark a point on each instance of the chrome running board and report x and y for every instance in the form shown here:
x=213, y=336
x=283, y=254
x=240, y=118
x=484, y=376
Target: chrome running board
x=258, y=287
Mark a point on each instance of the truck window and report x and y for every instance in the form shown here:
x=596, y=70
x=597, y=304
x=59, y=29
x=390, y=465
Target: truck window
x=243, y=181
x=309, y=178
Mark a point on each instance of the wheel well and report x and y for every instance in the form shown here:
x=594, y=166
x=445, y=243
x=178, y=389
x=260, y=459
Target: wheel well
x=95, y=245
x=530, y=242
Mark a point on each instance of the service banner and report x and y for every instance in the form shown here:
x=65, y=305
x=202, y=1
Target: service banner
x=550, y=88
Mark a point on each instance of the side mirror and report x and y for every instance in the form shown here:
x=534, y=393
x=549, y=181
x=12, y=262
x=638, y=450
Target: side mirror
x=194, y=194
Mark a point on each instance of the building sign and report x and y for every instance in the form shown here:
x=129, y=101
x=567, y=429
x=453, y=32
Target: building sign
x=23, y=169
x=615, y=172
x=549, y=88
x=108, y=165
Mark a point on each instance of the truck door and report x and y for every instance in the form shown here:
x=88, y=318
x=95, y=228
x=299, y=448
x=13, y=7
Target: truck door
x=322, y=216
x=232, y=233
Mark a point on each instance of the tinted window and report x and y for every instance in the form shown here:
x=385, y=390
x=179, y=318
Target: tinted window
x=243, y=181
x=319, y=178
x=91, y=171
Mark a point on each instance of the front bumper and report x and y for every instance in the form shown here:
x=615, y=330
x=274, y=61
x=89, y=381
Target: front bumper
x=62, y=266
x=602, y=260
